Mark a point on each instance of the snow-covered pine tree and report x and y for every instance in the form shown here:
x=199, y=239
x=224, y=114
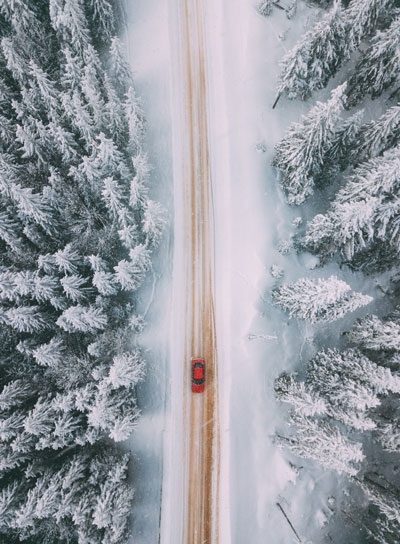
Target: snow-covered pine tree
x=50, y=354
x=113, y=196
x=135, y=118
x=114, y=502
x=324, y=443
x=316, y=57
x=59, y=503
x=389, y=436
x=377, y=136
x=264, y=7
x=113, y=411
x=362, y=18
x=138, y=189
x=376, y=334
x=115, y=120
x=321, y=300
x=362, y=212
x=15, y=393
x=331, y=370
x=129, y=274
x=304, y=400
x=119, y=69
x=379, y=66
x=82, y=318
x=346, y=137
x=70, y=119
x=69, y=19
x=127, y=370
x=301, y=153
x=74, y=289
x=26, y=319
x=102, y=19
x=351, y=385
x=67, y=260
x=387, y=503
x=154, y=222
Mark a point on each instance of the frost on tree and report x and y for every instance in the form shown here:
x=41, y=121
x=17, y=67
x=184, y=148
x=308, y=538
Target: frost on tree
x=347, y=137
x=351, y=385
x=376, y=334
x=363, y=17
x=82, y=318
x=376, y=136
x=364, y=213
x=386, y=527
x=379, y=67
x=65, y=504
x=322, y=50
x=74, y=210
x=324, y=443
x=316, y=57
x=303, y=399
x=264, y=7
x=301, y=153
x=319, y=300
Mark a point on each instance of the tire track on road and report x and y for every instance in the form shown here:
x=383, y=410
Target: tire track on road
x=201, y=417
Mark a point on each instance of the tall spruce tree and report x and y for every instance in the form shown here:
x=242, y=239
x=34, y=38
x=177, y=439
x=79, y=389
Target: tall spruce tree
x=320, y=300
x=301, y=153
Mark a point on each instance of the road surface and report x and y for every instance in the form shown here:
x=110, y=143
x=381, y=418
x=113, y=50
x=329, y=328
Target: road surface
x=200, y=418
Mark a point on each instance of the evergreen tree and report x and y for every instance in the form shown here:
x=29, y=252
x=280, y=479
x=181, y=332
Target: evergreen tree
x=317, y=301
x=301, y=153
x=103, y=19
x=363, y=212
x=351, y=385
x=379, y=67
x=346, y=137
x=389, y=436
x=330, y=368
x=153, y=223
x=316, y=57
x=73, y=207
x=363, y=16
x=264, y=7
x=304, y=400
x=325, y=444
x=376, y=334
x=82, y=318
x=377, y=136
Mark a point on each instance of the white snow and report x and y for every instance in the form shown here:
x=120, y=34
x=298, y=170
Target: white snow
x=253, y=230
x=147, y=41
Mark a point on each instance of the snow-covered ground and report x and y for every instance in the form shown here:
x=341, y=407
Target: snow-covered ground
x=256, y=341
x=148, y=50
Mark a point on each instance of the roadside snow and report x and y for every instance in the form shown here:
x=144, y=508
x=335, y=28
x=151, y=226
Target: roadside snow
x=147, y=42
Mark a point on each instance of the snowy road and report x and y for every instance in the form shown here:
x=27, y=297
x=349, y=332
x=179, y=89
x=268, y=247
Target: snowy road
x=190, y=498
x=200, y=421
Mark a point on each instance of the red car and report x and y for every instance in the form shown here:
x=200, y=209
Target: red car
x=198, y=368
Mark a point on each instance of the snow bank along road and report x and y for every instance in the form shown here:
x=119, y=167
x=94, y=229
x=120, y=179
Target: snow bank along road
x=196, y=507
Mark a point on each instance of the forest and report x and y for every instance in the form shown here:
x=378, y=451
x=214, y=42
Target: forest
x=77, y=231
x=341, y=161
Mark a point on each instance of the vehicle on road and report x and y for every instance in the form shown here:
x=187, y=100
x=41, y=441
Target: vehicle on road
x=198, y=375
